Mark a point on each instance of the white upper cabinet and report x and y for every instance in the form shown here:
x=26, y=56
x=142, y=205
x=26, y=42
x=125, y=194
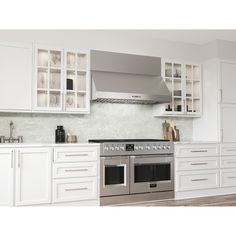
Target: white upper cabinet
x=15, y=77
x=61, y=80
x=228, y=82
x=33, y=176
x=184, y=82
x=6, y=177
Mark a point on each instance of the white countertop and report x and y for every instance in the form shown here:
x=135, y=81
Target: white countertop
x=22, y=145
x=195, y=142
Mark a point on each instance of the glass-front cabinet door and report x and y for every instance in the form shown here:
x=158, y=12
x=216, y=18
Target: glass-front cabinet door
x=62, y=80
x=49, y=71
x=76, y=81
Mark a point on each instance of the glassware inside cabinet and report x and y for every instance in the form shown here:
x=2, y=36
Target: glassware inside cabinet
x=42, y=98
x=81, y=61
x=43, y=58
x=54, y=99
x=177, y=70
x=70, y=60
x=55, y=79
x=178, y=105
x=70, y=80
x=70, y=99
x=55, y=58
x=42, y=78
x=81, y=81
x=81, y=100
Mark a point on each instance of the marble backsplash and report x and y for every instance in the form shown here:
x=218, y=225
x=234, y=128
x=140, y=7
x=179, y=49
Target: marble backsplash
x=104, y=121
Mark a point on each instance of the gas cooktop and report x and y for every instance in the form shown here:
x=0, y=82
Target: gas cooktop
x=125, y=140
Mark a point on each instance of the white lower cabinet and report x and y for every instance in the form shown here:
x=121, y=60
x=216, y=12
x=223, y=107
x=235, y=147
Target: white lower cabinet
x=6, y=176
x=33, y=176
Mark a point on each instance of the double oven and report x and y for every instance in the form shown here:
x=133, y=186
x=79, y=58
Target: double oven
x=140, y=168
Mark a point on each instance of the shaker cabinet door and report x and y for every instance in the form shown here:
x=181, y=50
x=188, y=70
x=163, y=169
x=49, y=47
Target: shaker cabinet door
x=6, y=177
x=33, y=176
x=228, y=127
x=15, y=77
x=228, y=82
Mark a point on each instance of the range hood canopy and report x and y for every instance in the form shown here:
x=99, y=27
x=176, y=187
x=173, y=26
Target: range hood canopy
x=125, y=78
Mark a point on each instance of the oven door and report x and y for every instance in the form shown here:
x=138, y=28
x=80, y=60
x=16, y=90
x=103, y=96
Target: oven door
x=114, y=176
x=151, y=174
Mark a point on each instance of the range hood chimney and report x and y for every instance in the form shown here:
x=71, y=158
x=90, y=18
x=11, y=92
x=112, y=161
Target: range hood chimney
x=126, y=78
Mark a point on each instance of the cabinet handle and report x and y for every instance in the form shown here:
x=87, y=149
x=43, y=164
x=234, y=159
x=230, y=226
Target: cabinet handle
x=76, y=170
x=231, y=177
x=231, y=150
x=75, y=189
x=76, y=155
x=199, y=164
x=198, y=150
x=231, y=162
x=195, y=180
x=19, y=159
x=12, y=159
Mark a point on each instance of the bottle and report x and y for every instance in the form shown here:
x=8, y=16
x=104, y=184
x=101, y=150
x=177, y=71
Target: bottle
x=60, y=135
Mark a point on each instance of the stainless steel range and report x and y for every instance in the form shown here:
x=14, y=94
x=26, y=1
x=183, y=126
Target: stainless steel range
x=134, y=170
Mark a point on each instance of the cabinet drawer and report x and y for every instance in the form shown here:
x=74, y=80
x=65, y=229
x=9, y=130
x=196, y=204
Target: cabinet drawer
x=196, y=163
x=197, y=180
x=228, y=149
x=228, y=178
x=69, y=170
x=67, y=190
x=196, y=151
x=79, y=154
x=228, y=162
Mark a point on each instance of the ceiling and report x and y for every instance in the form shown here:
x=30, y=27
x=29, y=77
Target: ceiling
x=191, y=36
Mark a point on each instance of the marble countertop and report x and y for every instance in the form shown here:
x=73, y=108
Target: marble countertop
x=22, y=145
x=195, y=142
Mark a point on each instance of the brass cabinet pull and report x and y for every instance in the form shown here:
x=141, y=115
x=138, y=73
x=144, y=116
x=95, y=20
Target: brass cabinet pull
x=199, y=164
x=75, y=189
x=195, y=180
x=75, y=170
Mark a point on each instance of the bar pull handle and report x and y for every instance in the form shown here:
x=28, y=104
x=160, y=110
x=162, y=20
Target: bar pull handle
x=75, y=189
x=198, y=151
x=196, y=180
x=75, y=170
x=199, y=164
x=12, y=159
x=19, y=160
x=231, y=177
x=76, y=155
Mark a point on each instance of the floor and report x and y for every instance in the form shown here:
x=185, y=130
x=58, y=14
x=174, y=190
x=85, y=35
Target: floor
x=225, y=200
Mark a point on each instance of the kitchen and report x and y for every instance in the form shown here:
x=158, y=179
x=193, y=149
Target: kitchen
x=97, y=161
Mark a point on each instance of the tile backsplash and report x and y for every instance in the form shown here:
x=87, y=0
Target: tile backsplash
x=104, y=121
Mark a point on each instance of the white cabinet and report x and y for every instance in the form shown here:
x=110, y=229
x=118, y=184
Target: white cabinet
x=33, y=176
x=184, y=82
x=15, y=77
x=228, y=82
x=61, y=81
x=6, y=176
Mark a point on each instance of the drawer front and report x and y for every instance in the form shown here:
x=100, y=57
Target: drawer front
x=228, y=162
x=228, y=178
x=197, y=180
x=73, y=170
x=228, y=149
x=75, y=189
x=196, y=151
x=80, y=154
x=196, y=163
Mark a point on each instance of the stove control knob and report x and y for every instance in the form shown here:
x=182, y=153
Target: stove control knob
x=117, y=148
x=159, y=147
x=112, y=148
x=168, y=147
x=148, y=147
x=164, y=147
x=122, y=148
x=154, y=147
x=140, y=147
x=106, y=148
x=136, y=148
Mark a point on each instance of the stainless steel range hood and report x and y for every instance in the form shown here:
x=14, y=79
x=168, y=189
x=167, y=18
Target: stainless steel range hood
x=125, y=78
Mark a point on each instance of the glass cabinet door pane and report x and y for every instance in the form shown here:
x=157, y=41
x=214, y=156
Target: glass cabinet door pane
x=42, y=79
x=55, y=58
x=81, y=100
x=70, y=60
x=81, y=61
x=81, y=81
x=43, y=58
x=55, y=99
x=70, y=100
x=70, y=80
x=177, y=70
x=42, y=99
x=55, y=79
